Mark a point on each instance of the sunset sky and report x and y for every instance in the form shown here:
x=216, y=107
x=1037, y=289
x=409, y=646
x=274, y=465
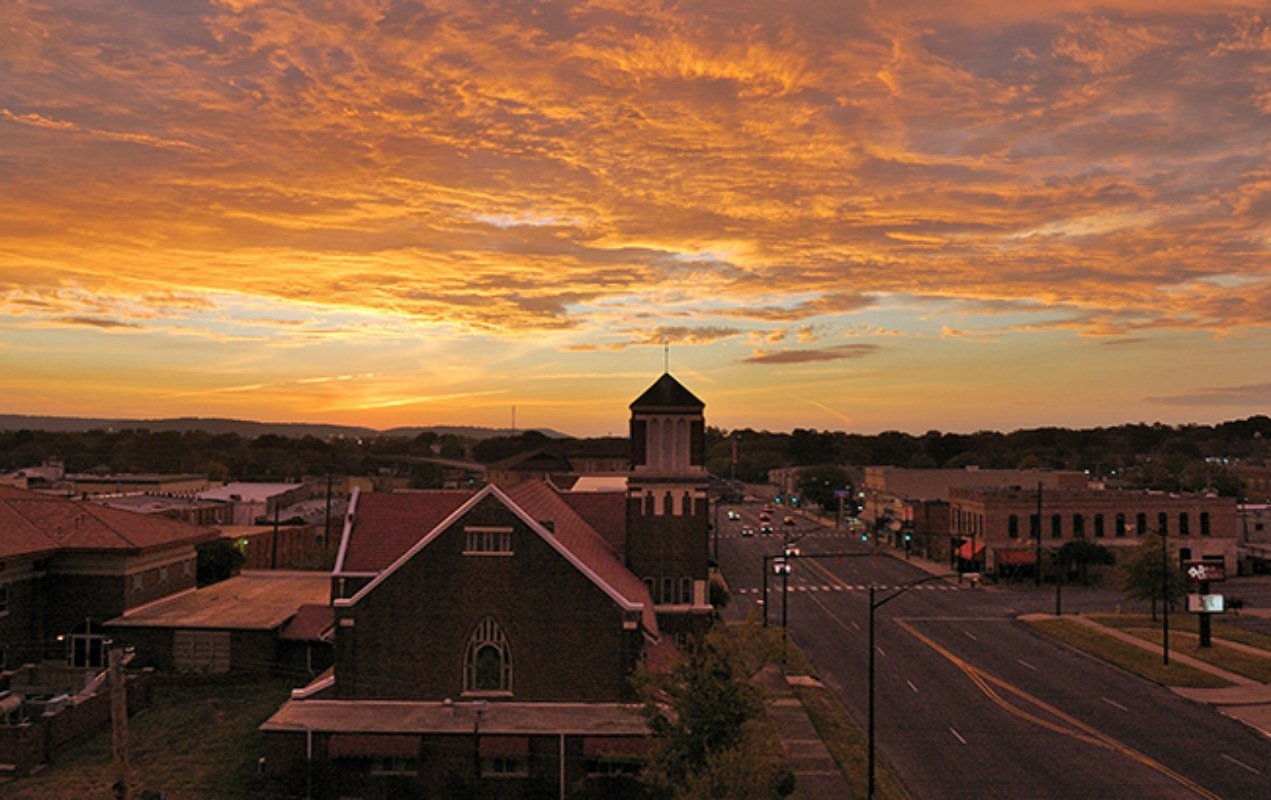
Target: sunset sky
x=840, y=215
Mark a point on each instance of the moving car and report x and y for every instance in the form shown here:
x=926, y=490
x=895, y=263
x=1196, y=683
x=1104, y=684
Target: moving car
x=788, y=521
x=733, y=514
x=765, y=529
x=746, y=530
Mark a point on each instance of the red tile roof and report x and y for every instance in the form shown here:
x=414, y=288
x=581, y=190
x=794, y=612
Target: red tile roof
x=32, y=522
x=541, y=502
x=387, y=525
x=605, y=512
x=310, y=622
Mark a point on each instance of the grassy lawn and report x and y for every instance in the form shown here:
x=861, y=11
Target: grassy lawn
x=1126, y=656
x=1237, y=661
x=1186, y=622
x=192, y=742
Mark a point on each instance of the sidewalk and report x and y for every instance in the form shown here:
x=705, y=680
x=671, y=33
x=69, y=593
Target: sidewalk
x=815, y=770
x=1246, y=700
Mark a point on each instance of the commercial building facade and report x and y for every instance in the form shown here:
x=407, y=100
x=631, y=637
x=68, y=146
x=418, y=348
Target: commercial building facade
x=996, y=528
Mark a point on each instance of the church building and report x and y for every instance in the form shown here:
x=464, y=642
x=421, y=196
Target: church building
x=485, y=640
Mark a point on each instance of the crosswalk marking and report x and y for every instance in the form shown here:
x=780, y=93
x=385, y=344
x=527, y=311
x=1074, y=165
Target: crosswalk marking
x=803, y=587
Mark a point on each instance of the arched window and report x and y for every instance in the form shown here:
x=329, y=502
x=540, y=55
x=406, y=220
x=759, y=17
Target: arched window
x=487, y=665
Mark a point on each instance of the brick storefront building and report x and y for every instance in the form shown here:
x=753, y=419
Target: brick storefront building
x=996, y=528
x=486, y=640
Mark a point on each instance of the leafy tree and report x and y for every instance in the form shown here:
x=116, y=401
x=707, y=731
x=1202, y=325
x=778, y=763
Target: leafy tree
x=818, y=484
x=217, y=560
x=1079, y=555
x=1145, y=572
x=705, y=714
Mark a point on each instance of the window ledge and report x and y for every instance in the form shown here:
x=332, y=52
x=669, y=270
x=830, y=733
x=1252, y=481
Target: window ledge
x=486, y=693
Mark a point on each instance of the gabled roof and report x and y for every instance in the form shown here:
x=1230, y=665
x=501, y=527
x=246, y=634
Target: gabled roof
x=387, y=525
x=667, y=394
x=605, y=512
x=54, y=523
x=535, y=502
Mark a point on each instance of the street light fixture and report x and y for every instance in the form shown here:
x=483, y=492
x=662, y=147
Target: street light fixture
x=874, y=605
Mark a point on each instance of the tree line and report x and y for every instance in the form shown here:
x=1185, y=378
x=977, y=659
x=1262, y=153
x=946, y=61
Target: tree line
x=1158, y=456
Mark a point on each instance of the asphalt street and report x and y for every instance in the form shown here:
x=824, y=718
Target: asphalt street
x=972, y=703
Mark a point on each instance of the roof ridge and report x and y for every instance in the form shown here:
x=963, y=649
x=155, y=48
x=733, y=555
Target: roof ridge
x=93, y=513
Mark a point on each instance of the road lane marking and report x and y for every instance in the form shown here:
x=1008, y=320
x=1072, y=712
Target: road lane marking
x=956, y=735
x=970, y=636
x=911, y=686
x=1114, y=704
x=1077, y=729
x=880, y=651
x=855, y=626
x=1240, y=764
x=1025, y=663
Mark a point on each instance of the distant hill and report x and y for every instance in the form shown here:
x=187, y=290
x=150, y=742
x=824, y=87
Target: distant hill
x=246, y=428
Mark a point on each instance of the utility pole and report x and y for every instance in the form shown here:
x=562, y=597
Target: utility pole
x=326, y=528
x=1038, y=531
x=273, y=558
x=119, y=724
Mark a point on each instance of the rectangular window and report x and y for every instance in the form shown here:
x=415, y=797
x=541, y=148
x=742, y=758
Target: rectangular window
x=686, y=590
x=137, y=582
x=652, y=586
x=488, y=541
x=187, y=568
x=504, y=767
x=1204, y=523
x=1098, y=526
x=1012, y=526
x=1184, y=524
x=395, y=765
x=1056, y=526
x=4, y=599
x=1120, y=525
x=668, y=590
x=1140, y=524
x=163, y=574
x=1162, y=523
x=1078, y=526
x=1034, y=526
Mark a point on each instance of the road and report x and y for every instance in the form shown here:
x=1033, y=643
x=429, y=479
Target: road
x=971, y=703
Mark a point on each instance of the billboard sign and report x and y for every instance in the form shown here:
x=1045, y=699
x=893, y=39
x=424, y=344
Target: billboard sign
x=1200, y=571
x=1205, y=603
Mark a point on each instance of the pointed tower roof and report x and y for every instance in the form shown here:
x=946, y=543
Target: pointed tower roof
x=667, y=394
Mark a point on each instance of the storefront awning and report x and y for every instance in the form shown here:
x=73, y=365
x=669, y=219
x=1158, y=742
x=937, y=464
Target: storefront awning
x=964, y=552
x=1016, y=557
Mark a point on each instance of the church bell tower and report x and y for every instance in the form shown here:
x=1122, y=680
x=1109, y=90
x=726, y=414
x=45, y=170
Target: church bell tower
x=668, y=535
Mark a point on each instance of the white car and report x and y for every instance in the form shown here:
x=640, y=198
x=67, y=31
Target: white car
x=733, y=514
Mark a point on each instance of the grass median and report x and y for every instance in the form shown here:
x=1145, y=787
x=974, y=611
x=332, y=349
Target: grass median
x=1125, y=655
x=845, y=739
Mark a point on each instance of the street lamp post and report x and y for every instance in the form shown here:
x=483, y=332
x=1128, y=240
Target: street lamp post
x=1165, y=595
x=874, y=605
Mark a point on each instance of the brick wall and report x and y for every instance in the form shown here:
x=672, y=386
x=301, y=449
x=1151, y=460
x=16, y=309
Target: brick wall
x=410, y=633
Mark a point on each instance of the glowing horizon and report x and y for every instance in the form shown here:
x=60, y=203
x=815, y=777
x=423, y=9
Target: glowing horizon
x=841, y=216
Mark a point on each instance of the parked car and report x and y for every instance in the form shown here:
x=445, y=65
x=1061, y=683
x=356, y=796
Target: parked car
x=746, y=530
